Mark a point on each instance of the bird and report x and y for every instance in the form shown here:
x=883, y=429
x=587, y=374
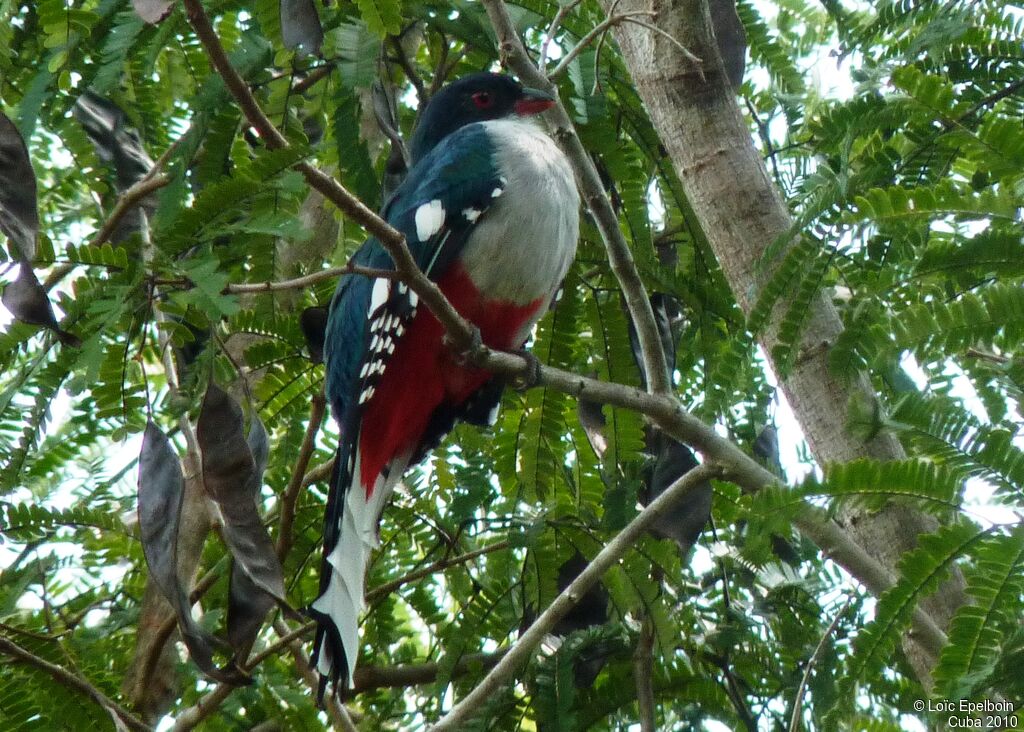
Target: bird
x=490, y=212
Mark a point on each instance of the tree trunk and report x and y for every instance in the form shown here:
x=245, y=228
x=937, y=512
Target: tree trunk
x=741, y=212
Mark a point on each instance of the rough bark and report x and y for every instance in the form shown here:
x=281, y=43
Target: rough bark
x=741, y=212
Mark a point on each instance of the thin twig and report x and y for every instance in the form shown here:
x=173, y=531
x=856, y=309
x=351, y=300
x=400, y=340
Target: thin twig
x=619, y=255
x=286, y=636
x=612, y=552
x=310, y=279
x=602, y=27
x=319, y=473
x=665, y=34
x=987, y=356
x=368, y=678
x=430, y=569
x=549, y=34
x=320, y=72
x=643, y=662
x=122, y=716
x=794, y=721
x=295, y=483
x=338, y=713
x=128, y=200
x=410, y=71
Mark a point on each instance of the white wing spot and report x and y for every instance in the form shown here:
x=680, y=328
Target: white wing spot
x=497, y=192
x=471, y=214
x=381, y=290
x=413, y=301
x=429, y=219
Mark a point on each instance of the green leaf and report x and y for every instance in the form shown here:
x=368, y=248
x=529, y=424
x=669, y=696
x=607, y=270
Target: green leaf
x=996, y=583
x=921, y=572
x=383, y=17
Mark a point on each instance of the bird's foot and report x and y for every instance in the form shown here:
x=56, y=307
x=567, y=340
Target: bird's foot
x=469, y=353
x=531, y=376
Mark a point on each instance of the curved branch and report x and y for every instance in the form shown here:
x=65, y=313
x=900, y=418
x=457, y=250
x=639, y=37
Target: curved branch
x=460, y=332
x=619, y=255
x=602, y=27
x=430, y=569
x=794, y=722
x=61, y=675
x=312, y=278
x=613, y=551
x=296, y=483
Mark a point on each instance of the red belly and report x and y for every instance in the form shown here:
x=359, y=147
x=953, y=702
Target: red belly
x=423, y=373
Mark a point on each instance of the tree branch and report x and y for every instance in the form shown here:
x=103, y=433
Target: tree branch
x=613, y=551
x=368, y=678
x=619, y=255
x=459, y=331
x=602, y=27
x=549, y=34
x=794, y=722
x=337, y=711
x=122, y=717
x=439, y=565
x=295, y=483
x=643, y=662
x=128, y=200
x=310, y=279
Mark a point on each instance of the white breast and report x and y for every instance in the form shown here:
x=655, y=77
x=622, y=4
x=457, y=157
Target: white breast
x=522, y=248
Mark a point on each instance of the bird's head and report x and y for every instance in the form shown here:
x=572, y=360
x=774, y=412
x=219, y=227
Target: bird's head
x=474, y=98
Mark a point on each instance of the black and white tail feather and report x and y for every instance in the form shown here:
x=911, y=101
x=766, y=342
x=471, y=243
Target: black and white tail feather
x=350, y=530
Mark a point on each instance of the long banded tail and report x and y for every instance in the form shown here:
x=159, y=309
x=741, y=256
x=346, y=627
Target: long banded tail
x=350, y=534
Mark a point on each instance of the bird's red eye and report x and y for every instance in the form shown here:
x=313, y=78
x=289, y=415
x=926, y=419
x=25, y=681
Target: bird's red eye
x=483, y=100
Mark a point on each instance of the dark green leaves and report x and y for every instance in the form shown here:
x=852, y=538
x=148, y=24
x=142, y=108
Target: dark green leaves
x=978, y=632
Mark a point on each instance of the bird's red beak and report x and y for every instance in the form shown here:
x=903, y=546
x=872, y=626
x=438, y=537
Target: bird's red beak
x=533, y=101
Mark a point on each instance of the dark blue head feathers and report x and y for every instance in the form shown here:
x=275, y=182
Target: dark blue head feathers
x=473, y=98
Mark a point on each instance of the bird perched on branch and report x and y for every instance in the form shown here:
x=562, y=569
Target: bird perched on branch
x=490, y=212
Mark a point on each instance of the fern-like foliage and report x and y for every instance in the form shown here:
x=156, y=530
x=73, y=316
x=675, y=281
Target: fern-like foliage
x=892, y=132
x=921, y=571
x=995, y=584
